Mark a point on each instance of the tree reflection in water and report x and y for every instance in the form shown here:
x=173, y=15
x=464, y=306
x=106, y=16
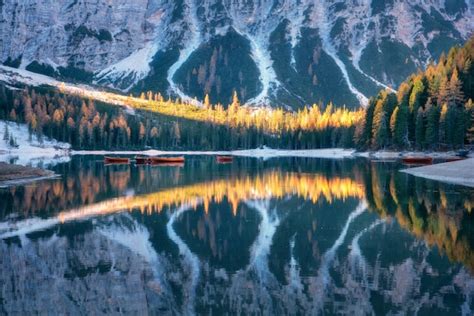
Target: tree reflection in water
x=289, y=236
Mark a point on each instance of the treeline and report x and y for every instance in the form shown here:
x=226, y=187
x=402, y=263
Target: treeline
x=432, y=110
x=267, y=119
x=86, y=124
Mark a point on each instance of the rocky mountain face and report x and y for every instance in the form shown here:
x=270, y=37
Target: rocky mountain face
x=285, y=52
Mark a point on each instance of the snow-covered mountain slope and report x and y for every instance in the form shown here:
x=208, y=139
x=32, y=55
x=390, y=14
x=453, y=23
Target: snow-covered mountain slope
x=289, y=52
x=16, y=144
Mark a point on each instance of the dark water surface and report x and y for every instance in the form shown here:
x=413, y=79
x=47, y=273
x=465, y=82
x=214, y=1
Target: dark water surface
x=283, y=236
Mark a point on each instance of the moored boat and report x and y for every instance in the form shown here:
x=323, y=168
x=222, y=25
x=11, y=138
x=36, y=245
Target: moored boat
x=418, y=160
x=116, y=160
x=161, y=160
x=224, y=159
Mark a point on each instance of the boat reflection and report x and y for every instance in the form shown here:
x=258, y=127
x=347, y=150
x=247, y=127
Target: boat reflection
x=277, y=240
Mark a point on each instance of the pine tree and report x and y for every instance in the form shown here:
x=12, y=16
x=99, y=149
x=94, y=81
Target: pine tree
x=432, y=125
x=176, y=134
x=399, y=126
x=393, y=121
x=419, y=129
x=207, y=102
x=142, y=134
x=470, y=121
x=442, y=124
x=459, y=127
x=380, y=126
x=154, y=136
x=417, y=96
x=450, y=125
x=443, y=94
x=12, y=142
x=235, y=100
x=455, y=94
x=6, y=134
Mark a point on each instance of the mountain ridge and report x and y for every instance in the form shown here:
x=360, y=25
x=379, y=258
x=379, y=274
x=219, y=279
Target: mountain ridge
x=271, y=52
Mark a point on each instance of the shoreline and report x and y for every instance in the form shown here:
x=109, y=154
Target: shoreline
x=12, y=174
x=327, y=153
x=456, y=172
x=55, y=155
x=383, y=154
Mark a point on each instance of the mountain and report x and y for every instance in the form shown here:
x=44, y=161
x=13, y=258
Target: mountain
x=286, y=52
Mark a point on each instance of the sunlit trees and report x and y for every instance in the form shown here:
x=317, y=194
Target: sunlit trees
x=430, y=111
x=380, y=126
x=207, y=102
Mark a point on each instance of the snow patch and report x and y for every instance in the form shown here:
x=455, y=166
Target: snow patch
x=30, y=150
x=256, y=24
x=14, y=75
x=132, y=69
x=456, y=172
x=191, y=44
x=321, y=20
x=359, y=21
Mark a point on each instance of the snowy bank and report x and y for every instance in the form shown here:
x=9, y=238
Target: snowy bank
x=330, y=153
x=29, y=150
x=457, y=172
x=386, y=154
x=265, y=153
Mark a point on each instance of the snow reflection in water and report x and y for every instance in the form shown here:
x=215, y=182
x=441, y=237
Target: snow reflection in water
x=307, y=245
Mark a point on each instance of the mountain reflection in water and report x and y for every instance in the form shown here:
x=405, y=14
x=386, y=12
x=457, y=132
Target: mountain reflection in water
x=287, y=236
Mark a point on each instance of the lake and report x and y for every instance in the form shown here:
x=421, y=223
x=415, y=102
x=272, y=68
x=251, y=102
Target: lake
x=281, y=236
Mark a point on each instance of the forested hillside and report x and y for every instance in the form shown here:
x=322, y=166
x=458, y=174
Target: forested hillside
x=272, y=52
x=152, y=122
x=432, y=109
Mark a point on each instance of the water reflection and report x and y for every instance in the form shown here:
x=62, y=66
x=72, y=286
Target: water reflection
x=288, y=236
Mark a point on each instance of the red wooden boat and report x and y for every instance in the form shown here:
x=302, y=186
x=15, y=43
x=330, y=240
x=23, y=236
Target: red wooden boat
x=418, y=160
x=224, y=159
x=116, y=160
x=161, y=160
x=139, y=160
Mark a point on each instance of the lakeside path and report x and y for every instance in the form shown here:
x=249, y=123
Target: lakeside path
x=457, y=172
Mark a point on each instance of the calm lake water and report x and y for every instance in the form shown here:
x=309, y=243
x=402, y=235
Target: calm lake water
x=282, y=236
